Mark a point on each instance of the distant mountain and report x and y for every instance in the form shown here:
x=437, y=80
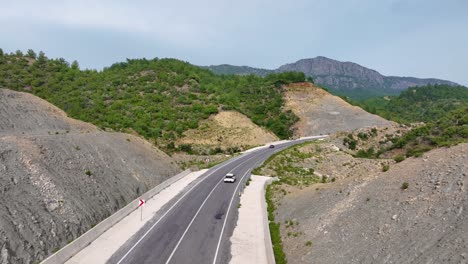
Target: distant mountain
x=342, y=78
x=239, y=70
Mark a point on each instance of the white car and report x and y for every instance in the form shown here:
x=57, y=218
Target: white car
x=230, y=177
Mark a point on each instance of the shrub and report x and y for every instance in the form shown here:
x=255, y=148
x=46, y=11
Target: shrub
x=350, y=142
x=370, y=153
x=404, y=186
x=215, y=151
x=248, y=182
x=363, y=136
x=399, y=158
x=385, y=167
x=88, y=172
x=186, y=148
x=324, y=179
x=308, y=243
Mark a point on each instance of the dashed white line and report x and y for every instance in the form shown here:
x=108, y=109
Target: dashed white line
x=151, y=228
x=195, y=216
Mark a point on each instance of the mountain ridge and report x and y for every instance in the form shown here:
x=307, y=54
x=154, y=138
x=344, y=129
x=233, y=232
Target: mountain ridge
x=342, y=78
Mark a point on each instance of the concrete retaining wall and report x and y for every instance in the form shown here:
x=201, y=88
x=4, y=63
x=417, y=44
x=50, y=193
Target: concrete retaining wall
x=84, y=240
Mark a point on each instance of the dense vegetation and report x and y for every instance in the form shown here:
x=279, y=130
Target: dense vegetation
x=448, y=130
x=418, y=104
x=158, y=98
x=443, y=109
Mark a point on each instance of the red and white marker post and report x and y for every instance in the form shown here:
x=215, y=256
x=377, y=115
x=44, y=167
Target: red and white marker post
x=141, y=202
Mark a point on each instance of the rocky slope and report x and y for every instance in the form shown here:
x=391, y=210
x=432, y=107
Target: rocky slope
x=414, y=212
x=59, y=177
x=322, y=113
x=345, y=78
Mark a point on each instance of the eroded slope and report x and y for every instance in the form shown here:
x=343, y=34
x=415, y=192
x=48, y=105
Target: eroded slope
x=322, y=113
x=59, y=177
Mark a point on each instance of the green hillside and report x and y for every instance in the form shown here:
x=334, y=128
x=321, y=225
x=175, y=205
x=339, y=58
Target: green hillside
x=443, y=109
x=418, y=104
x=158, y=98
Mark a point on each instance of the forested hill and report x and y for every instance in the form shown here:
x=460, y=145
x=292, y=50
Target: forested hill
x=158, y=98
x=419, y=104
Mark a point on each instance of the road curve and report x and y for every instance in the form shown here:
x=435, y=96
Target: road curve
x=195, y=226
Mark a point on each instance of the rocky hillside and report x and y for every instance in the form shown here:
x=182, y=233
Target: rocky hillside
x=320, y=112
x=370, y=210
x=412, y=213
x=343, y=78
x=59, y=176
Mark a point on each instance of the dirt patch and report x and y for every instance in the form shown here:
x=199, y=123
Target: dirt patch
x=322, y=113
x=227, y=130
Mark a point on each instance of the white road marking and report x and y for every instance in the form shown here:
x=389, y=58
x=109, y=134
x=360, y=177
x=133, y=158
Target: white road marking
x=195, y=216
x=151, y=228
x=227, y=214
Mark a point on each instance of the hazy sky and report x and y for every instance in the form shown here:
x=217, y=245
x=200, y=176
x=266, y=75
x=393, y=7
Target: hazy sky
x=421, y=38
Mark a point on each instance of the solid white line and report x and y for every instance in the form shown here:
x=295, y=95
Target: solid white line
x=195, y=216
x=151, y=228
x=225, y=219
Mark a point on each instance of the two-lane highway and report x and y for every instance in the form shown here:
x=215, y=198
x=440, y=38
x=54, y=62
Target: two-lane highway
x=195, y=227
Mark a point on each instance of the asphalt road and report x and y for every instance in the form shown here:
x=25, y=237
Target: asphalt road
x=195, y=226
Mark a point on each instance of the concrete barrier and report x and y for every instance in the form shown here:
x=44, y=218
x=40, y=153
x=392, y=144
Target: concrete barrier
x=87, y=238
x=268, y=244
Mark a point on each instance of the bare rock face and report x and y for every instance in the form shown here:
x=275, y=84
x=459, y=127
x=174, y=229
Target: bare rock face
x=322, y=113
x=413, y=213
x=59, y=176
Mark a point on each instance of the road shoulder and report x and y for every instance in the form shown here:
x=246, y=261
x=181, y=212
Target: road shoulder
x=250, y=242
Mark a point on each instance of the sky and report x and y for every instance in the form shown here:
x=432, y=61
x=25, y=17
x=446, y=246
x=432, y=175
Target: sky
x=419, y=38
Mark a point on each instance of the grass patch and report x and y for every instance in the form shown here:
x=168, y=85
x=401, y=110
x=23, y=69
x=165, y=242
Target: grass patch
x=286, y=165
x=280, y=257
